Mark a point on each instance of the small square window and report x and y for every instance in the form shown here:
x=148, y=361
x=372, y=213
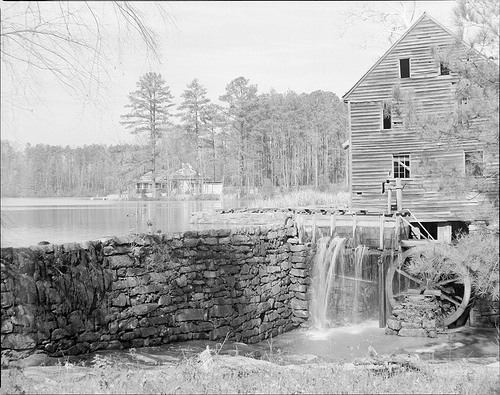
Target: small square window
x=401, y=166
x=474, y=163
x=443, y=69
x=404, y=68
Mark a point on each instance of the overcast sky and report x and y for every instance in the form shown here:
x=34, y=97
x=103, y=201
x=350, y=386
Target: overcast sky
x=299, y=46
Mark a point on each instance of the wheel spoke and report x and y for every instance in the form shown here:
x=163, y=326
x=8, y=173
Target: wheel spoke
x=446, y=281
x=409, y=276
x=449, y=298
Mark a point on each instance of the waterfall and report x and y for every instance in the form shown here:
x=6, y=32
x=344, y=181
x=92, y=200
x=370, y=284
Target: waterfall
x=329, y=252
x=330, y=265
x=359, y=253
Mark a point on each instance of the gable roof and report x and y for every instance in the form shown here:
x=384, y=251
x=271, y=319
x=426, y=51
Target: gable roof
x=412, y=27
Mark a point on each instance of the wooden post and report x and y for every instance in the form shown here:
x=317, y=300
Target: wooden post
x=389, y=200
x=313, y=237
x=333, y=224
x=382, y=221
x=399, y=194
x=381, y=291
x=353, y=229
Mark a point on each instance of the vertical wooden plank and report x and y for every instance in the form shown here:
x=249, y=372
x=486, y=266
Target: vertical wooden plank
x=314, y=230
x=399, y=194
x=381, y=239
x=349, y=153
x=387, y=264
x=389, y=200
x=381, y=291
x=354, y=229
x=444, y=233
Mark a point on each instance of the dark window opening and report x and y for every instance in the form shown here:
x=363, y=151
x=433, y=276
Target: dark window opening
x=401, y=166
x=404, y=68
x=386, y=116
x=474, y=163
x=443, y=69
x=431, y=228
x=427, y=230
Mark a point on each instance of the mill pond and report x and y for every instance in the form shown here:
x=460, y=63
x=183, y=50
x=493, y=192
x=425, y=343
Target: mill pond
x=28, y=221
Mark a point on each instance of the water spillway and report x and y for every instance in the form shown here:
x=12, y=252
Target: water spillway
x=343, y=291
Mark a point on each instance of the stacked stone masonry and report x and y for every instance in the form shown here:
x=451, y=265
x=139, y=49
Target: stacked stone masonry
x=245, y=284
x=418, y=315
x=485, y=313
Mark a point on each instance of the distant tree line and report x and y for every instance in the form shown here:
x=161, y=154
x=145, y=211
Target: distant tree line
x=271, y=140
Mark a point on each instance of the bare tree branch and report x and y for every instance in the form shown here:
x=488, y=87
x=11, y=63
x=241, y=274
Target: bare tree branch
x=71, y=41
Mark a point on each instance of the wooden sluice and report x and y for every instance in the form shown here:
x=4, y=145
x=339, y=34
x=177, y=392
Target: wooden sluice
x=381, y=233
x=374, y=230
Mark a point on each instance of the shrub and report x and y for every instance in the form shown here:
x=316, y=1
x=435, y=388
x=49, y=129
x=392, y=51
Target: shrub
x=433, y=264
x=474, y=255
x=478, y=251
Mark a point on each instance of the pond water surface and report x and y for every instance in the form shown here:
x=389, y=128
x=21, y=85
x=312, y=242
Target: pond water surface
x=27, y=221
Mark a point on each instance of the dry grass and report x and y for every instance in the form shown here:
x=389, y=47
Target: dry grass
x=306, y=198
x=229, y=375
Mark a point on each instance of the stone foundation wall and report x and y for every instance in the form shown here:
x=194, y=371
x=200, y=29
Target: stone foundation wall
x=416, y=316
x=131, y=291
x=485, y=313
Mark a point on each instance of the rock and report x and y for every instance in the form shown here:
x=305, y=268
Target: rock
x=143, y=309
x=205, y=360
x=129, y=324
x=119, y=261
x=181, y=281
x=412, y=332
x=393, y=324
x=120, y=301
x=191, y=315
x=221, y=311
x=298, y=304
x=18, y=341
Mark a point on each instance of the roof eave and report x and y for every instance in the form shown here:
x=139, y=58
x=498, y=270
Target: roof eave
x=345, y=97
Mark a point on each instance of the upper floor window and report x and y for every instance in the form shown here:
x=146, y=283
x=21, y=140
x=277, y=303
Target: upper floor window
x=401, y=166
x=463, y=111
x=404, y=68
x=443, y=69
x=474, y=163
x=386, y=115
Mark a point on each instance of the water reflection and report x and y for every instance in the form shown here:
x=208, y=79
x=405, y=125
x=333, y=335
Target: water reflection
x=27, y=221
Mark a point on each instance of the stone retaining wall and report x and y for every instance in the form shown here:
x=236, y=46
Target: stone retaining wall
x=131, y=291
x=416, y=316
x=485, y=313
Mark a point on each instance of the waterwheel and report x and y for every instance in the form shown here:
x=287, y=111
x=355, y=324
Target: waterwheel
x=456, y=296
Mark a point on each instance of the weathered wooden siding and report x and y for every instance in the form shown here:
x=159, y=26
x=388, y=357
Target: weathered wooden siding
x=372, y=148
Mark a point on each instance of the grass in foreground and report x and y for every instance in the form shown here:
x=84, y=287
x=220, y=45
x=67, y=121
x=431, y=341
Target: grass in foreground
x=231, y=375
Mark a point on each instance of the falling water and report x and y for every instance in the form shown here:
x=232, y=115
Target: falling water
x=330, y=265
x=359, y=253
x=329, y=253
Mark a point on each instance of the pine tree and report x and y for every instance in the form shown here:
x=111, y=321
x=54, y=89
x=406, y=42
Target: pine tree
x=149, y=114
x=193, y=108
